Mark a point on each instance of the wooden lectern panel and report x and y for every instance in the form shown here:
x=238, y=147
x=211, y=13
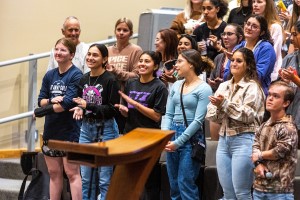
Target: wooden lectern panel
x=134, y=155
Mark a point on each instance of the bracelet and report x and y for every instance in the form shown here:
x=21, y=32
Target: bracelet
x=258, y=162
x=260, y=156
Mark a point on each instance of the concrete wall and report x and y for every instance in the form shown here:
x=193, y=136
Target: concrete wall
x=33, y=26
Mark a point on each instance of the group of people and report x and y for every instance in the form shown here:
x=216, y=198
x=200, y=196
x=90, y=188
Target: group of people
x=252, y=74
x=94, y=93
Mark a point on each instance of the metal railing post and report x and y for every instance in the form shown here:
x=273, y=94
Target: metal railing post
x=32, y=95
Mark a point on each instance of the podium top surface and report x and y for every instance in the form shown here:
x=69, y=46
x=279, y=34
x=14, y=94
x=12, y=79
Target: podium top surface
x=133, y=142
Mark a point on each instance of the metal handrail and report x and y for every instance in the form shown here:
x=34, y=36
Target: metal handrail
x=47, y=54
x=32, y=88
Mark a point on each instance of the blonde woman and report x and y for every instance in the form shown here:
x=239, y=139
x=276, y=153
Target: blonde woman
x=189, y=19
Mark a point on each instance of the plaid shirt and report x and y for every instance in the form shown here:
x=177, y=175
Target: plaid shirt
x=282, y=138
x=242, y=109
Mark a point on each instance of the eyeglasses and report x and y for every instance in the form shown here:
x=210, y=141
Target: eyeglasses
x=227, y=33
x=251, y=26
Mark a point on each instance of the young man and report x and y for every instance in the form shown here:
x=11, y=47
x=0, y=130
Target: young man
x=71, y=29
x=275, y=147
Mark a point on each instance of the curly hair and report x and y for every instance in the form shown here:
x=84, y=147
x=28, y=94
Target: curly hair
x=222, y=4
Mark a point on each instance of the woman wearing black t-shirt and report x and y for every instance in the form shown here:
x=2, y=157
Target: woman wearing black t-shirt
x=213, y=11
x=98, y=94
x=144, y=102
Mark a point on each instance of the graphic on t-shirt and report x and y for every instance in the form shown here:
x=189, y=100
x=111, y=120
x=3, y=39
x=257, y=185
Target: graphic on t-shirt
x=58, y=88
x=119, y=62
x=140, y=97
x=92, y=94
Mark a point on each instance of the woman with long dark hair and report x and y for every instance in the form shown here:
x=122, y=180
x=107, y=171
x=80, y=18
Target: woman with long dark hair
x=98, y=94
x=182, y=169
x=238, y=105
x=258, y=40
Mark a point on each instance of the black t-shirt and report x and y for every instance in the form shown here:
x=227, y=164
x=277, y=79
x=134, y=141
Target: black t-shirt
x=202, y=32
x=238, y=15
x=153, y=95
x=101, y=94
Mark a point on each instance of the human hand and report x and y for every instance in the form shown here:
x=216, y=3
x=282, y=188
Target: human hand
x=57, y=99
x=80, y=102
x=228, y=54
x=123, y=109
x=286, y=16
x=168, y=78
x=110, y=68
x=215, y=42
x=256, y=156
x=288, y=74
x=216, y=101
x=260, y=170
x=78, y=113
x=214, y=83
x=170, y=147
x=127, y=98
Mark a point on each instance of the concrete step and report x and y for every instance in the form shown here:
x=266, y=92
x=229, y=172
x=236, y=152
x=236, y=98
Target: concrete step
x=10, y=168
x=9, y=188
x=11, y=178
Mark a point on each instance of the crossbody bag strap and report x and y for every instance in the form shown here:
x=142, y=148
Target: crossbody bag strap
x=182, y=107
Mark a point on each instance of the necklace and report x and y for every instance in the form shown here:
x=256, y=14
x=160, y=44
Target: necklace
x=245, y=14
x=94, y=81
x=120, y=48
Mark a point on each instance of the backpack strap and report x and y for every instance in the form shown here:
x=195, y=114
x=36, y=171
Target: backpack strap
x=31, y=172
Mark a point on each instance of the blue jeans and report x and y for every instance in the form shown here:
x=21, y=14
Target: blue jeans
x=182, y=169
x=88, y=134
x=257, y=195
x=234, y=165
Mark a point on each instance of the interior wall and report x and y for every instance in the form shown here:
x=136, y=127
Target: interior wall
x=33, y=26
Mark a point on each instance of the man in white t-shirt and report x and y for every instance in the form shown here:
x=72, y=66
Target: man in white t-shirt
x=71, y=29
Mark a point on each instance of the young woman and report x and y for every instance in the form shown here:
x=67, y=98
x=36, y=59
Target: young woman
x=166, y=42
x=98, y=94
x=182, y=169
x=186, y=42
x=189, y=19
x=258, y=39
x=214, y=11
x=233, y=34
x=144, y=104
x=266, y=8
x=238, y=105
x=240, y=14
x=59, y=86
x=123, y=58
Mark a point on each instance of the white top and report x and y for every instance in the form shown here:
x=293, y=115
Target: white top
x=277, y=36
x=78, y=60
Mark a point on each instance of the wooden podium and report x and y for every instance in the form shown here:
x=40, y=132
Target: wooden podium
x=133, y=155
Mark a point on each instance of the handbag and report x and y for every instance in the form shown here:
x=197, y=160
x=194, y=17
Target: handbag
x=38, y=189
x=197, y=140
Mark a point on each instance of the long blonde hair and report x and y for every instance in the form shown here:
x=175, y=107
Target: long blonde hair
x=188, y=9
